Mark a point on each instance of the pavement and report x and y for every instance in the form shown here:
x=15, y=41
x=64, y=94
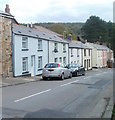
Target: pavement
x=13, y=81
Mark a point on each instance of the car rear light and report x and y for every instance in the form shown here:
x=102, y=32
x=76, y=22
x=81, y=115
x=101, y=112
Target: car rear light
x=58, y=65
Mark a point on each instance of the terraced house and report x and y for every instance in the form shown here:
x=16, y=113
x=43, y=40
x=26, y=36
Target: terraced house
x=25, y=50
x=33, y=49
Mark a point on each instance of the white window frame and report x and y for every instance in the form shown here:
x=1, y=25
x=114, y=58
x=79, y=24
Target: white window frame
x=64, y=60
x=39, y=62
x=71, y=52
x=64, y=47
x=77, y=52
x=24, y=42
x=55, y=60
x=60, y=59
x=39, y=44
x=56, y=46
x=24, y=64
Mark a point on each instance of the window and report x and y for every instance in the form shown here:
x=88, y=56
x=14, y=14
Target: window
x=64, y=47
x=89, y=62
x=71, y=52
x=77, y=52
x=64, y=60
x=40, y=62
x=24, y=64
x=89, y=52
x=85, y=63
x=55, y=47
x=55, y=59
x=39, y=44
x=60, y=59
x=25, y=43
x=84, y=52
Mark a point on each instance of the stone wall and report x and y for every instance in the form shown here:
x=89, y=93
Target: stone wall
x=5, y=47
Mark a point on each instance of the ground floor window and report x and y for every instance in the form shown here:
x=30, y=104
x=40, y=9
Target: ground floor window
x=60, y=59
x=40, y=62
x=89, y=63
x=55, y=59
x=64, y=60
x=25, y=64
x=85, y=63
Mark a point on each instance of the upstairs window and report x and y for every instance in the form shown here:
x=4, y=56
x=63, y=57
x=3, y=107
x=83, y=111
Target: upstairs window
x=39, y=44
x=77, y=52
x=89, y=52
x=64, y=47
x=84, y=52
x=25, y=43
x=55, y=47
x=71, y=52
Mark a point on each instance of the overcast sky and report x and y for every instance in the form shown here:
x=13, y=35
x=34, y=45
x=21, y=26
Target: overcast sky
x=27, y=11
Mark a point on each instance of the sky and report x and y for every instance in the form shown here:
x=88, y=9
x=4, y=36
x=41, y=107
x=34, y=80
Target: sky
x=36, y=11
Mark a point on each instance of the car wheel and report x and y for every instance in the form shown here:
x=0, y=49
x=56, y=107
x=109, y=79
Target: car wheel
x=62, y=76
x=70, y=76
x=76, y=73
x=83, y=74
x=44, y=78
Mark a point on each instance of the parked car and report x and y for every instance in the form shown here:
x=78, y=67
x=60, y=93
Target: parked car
x=76, y=69
x=56, y=70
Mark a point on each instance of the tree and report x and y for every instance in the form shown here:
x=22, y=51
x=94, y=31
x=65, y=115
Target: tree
x=95, y=29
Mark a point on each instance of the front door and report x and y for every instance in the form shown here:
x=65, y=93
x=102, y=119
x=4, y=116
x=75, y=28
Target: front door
x=33, y=65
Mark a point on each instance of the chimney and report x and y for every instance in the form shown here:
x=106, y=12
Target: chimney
x=69, y=37
x=7, y=9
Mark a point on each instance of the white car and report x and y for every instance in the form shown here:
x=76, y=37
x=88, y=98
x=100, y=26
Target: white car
x=52, y=70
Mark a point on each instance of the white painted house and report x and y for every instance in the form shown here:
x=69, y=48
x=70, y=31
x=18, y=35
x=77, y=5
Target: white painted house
x=81, y=54
x=33, y=49
x=87, y=57
x=76, y=52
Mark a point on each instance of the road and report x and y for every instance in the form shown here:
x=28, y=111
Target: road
x=80, y=97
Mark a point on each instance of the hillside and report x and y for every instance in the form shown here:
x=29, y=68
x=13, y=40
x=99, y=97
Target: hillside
x=64, y=28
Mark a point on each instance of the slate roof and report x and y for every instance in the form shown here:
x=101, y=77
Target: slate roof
x=78, y=44
x=97, y=46
x=31, y=32
x=43, y=29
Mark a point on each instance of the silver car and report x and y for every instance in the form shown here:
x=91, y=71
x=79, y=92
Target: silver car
x=56, y=70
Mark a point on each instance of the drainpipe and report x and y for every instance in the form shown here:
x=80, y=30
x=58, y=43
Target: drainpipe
x=48, y=51
x=68, y=55
x=12, y=46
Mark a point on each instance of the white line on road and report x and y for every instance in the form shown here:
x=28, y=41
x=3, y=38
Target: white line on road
x=69, y=83
x=32, y=95
x=87, y=77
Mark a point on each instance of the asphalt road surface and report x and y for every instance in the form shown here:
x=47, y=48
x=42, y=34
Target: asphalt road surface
x=79, y=97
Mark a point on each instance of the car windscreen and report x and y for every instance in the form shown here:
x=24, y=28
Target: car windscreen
x=52, y=65
x=73, y=65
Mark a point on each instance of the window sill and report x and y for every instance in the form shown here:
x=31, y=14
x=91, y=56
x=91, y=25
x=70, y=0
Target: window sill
x=39, y=50
x=64, y=51
x=26, y=72
x=40, y=69
x=25, y=49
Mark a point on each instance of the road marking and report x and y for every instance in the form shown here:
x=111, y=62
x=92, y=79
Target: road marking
x=87, y=77
x=32, y=95
x=69, y=83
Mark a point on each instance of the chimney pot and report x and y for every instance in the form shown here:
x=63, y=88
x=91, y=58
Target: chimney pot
x=7, y=9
